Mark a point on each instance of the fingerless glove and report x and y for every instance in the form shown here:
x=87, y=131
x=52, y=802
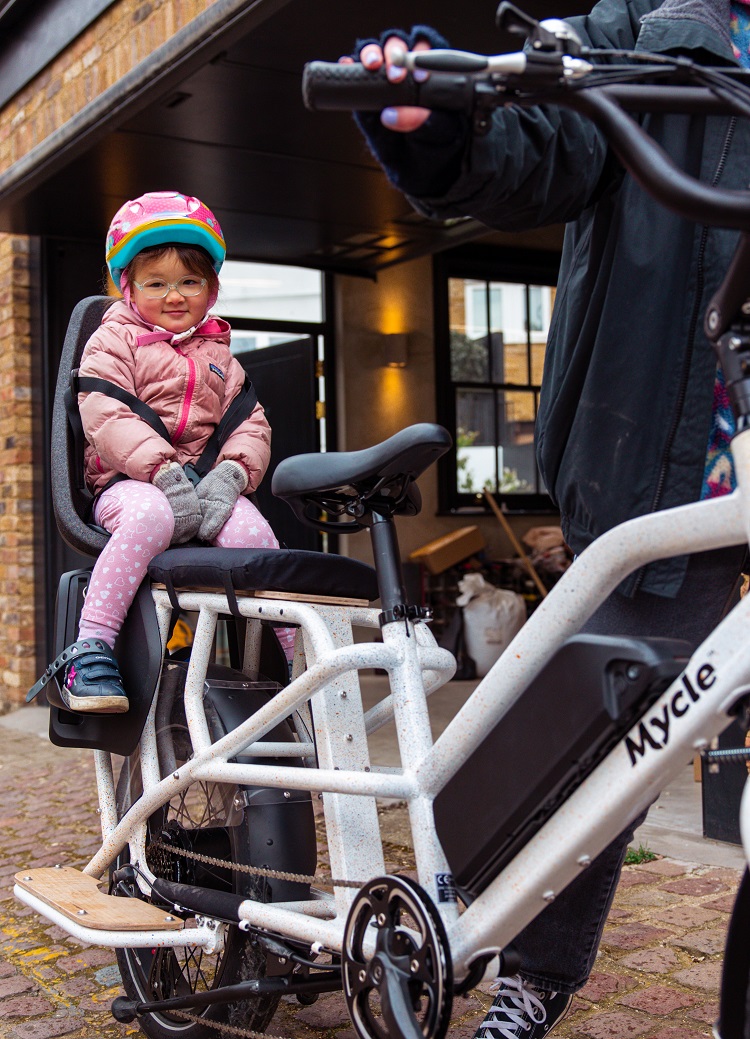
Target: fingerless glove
x=217, y=493
x=172, y=481
x=426, y=162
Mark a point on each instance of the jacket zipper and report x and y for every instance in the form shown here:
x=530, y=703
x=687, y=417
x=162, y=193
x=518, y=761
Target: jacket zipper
x=184, y=414
x=685, y=373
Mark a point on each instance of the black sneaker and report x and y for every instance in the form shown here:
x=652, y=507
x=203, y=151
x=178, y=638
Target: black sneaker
x=522, y=1010
x=92, y=682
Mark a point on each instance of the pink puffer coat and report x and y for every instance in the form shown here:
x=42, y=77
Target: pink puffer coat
x=189, y=385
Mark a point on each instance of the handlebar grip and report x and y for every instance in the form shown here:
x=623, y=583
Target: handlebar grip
x=331, y=86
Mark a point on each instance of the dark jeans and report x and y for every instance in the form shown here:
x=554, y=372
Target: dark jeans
x=559, y=946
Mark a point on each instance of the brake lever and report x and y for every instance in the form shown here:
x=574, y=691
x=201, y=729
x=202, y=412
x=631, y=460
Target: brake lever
x=552, y=34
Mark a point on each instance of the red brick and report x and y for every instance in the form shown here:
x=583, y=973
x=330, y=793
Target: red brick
x=26, y=1006
x=15, y=986
x=707, y=1012
x=695, y=886
x=708, y=942
x=652, y=961
x=686, y=915
x=631, y=936
x=705, y=976
x=601, y=985
x=618, y=1024
x=663, y=867
x=658, y=999
x=632, y=879
x=48, y=1029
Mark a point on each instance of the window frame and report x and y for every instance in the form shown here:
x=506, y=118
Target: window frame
x=488, y=264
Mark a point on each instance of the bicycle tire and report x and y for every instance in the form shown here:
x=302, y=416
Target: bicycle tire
x=150, y=974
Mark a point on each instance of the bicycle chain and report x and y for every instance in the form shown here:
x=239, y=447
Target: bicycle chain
x=258, y=871
x=229, y=1029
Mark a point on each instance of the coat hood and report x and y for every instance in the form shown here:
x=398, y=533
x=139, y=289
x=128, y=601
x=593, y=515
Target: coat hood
x=712, y=16
x=211, y=327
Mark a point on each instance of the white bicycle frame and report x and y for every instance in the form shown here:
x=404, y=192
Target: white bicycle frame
x=685, y=718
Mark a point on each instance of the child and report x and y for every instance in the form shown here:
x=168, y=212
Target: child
x=164, y=251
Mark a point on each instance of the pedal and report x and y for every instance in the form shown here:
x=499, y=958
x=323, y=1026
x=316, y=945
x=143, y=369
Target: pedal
x=76, y=895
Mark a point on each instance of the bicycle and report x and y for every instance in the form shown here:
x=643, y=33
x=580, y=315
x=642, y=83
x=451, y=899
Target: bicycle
x=219, y=761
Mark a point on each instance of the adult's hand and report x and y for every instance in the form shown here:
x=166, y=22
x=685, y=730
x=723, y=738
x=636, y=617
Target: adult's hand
x=404, y=118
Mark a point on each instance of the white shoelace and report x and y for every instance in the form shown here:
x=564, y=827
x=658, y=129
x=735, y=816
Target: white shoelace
x=520, y=1007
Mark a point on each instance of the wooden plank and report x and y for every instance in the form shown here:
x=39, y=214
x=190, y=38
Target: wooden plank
x=77, y=896
x=322, y=600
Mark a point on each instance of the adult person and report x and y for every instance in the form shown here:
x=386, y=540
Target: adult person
x=633, y=414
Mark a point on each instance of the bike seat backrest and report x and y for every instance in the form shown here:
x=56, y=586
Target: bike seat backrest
x=349, y=484
x=70, y=498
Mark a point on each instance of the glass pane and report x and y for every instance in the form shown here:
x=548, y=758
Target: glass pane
x=269, y=291
x=467, y=301
x=541, y=301
x=475, y=441
x=516, y=412
x=243, y=341
x=508, y=327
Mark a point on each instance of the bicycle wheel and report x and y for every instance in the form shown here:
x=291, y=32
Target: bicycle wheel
x=203, y=819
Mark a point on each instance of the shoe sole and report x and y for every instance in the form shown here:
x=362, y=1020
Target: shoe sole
x=97, y=704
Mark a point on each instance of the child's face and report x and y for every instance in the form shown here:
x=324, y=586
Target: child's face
x=175, y=312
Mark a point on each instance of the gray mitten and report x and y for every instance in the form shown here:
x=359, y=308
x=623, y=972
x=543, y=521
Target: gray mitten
x=183, y=500
x=218, y=492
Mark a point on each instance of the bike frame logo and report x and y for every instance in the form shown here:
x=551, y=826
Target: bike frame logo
x=654, y=731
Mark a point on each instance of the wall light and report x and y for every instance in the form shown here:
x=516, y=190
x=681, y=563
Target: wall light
x=395, y=350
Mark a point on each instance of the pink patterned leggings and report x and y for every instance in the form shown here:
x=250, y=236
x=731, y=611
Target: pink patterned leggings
x=141, y=523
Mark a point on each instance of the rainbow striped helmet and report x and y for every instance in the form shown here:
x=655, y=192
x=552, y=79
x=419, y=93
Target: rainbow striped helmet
x=162, y=218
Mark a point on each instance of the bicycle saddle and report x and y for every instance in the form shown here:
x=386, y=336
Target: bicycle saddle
x=353, y=484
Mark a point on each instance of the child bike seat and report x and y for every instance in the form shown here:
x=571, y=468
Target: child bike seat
x=250, y=569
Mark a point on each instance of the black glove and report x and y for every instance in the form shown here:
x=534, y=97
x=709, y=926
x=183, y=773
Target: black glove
x=426, y=162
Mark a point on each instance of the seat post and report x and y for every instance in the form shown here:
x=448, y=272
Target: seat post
x=387, y=562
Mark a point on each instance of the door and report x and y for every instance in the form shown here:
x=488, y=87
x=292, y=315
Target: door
x=285, y=381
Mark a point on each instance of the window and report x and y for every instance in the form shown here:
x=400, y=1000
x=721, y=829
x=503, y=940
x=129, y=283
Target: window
x=492, y=319
x=268, y=305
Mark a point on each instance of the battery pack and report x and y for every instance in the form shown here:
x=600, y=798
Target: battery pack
x=585, y=699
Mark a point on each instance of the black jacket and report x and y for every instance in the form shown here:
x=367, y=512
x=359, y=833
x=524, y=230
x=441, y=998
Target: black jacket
x=627, y=391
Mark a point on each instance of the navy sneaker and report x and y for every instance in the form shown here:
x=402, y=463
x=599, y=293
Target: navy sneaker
x=92, y=683
x=522, y=1010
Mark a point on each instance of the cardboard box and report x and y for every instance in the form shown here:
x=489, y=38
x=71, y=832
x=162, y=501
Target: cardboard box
x=444, y=552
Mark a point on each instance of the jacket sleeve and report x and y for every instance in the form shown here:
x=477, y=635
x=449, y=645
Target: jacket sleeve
x=250, y=443
x=536, y=166
x=122, y=440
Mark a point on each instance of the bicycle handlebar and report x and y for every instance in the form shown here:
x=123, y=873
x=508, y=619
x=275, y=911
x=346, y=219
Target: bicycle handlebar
x=552, y=79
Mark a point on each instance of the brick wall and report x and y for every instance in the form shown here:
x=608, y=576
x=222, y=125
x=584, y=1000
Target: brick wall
x=17, y=591
x=118, y=41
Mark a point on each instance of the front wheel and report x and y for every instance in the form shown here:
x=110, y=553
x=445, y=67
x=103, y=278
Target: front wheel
x=205, y=820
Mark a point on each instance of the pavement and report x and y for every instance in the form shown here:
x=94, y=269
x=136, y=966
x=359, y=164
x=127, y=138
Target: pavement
x=657, y=974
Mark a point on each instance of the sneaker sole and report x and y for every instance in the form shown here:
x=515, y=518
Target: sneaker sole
x=97, y=704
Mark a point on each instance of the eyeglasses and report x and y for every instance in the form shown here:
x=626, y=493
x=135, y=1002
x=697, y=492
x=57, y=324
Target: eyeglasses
x=158, y=289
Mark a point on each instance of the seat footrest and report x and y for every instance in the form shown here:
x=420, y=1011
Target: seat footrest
x=76, y=895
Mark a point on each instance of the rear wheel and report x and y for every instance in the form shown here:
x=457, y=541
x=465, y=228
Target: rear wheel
x=205, y=819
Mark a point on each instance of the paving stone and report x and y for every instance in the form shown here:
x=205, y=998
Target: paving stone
x=687, y=915
x=601, y=985
x=707, y=1012
x=14, y=986
x=615, y=1025
x=694, y=886
x=632, y=936
x=705, y=976
x=631, y=879
x=659, y=999
x=328, y=1012
x=652, y=961
x=49, y=1029
x=663, y=867
x=677, y=1033
x=708, y=941
x=725, y=904
x=26, y=1006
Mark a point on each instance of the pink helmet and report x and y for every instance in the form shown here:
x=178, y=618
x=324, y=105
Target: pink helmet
x=162, y=218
